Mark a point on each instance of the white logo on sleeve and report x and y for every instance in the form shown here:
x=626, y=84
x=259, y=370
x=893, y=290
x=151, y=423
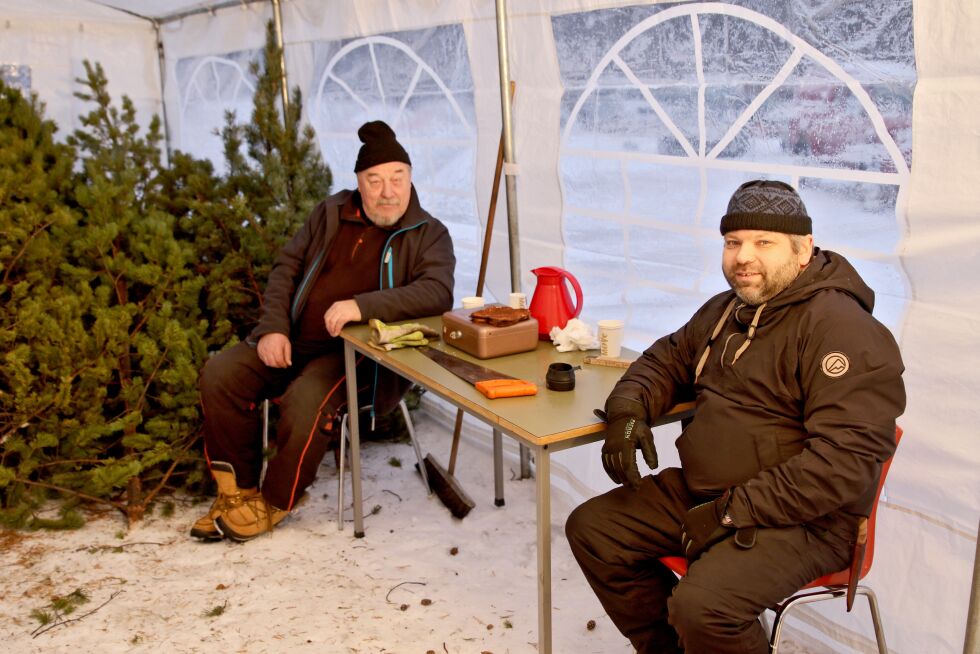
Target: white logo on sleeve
x=835, y=364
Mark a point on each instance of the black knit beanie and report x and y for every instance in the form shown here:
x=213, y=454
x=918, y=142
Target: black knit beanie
x=380, y=146
x=769, y=206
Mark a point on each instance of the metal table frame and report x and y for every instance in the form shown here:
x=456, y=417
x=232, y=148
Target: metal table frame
x=504, y=416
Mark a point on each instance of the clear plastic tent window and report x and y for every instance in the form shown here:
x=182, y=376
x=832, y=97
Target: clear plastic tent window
x=17, y=76
x=211, y=86
x=668, y=108
x=419, y=82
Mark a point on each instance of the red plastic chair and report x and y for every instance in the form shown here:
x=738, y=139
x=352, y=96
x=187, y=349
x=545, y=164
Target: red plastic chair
x=843, y=583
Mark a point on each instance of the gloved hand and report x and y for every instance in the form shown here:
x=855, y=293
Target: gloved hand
x=626, y=432
x=703, y=526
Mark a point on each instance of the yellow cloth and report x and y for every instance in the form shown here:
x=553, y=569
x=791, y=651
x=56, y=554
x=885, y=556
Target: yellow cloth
x=393, y=337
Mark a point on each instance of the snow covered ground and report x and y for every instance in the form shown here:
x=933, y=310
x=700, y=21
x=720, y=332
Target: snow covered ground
x=419, y=581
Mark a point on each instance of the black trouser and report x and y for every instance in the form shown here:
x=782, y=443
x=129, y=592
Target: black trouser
x=617, y=539
x=311, y=392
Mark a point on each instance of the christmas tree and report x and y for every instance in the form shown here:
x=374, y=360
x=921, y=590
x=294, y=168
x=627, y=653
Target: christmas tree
x=40, y=321
x=275, y=177
x=103, y=352
x=118, y=274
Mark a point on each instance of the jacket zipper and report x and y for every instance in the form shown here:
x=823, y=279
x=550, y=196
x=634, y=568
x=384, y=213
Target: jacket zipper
x=360, y=240
x=387, y=261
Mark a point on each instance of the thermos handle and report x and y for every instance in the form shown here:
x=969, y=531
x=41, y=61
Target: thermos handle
x=578, y=292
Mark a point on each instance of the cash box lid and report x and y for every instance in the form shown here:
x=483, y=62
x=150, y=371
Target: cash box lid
x=485, y=341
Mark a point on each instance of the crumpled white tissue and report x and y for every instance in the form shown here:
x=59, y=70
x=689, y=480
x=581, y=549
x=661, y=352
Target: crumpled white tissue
x=576, y=334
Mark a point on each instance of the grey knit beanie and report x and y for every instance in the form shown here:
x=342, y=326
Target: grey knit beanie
x=767, y=205
x=380, y=146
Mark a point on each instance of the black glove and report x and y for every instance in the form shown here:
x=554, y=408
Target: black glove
x=703, y=526
x=626, y=432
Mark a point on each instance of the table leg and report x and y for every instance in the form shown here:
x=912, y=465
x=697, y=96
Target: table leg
x=543, y=476
x=350, y=368
x=498, y=468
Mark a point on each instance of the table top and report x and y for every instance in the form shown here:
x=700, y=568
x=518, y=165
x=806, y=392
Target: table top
x=547, y=418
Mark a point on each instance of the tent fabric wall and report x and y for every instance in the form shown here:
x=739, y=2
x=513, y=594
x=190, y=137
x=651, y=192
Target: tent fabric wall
x=53, y=38
x=928, y=521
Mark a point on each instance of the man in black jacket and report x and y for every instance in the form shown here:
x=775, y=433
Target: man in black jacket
x=797, y=390
x=369, y=253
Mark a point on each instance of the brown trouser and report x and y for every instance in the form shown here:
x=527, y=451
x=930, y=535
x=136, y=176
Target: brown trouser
x=311, y=392
x=617, y=539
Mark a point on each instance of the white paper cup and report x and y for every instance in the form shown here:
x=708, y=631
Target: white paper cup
x=472, y=302
x=610, y=338
x=518, y=301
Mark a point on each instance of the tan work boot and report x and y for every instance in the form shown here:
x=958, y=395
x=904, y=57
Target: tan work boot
x=229, y=495
x=253, y=517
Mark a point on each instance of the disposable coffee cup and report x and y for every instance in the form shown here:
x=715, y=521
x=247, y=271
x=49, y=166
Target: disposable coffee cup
x=610, y=338
x=518, y=301
x=472, y=302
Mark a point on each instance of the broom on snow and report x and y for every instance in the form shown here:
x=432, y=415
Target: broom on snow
x=441, y=480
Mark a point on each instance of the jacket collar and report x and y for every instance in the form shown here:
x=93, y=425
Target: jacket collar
x=353, y=210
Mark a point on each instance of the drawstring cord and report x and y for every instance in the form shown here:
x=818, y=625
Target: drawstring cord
x=751, y=333
x=753, y=327
x=714, y=335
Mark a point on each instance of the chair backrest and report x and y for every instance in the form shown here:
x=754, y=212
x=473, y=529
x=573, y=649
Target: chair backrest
x=869, y=553
x=678, y=564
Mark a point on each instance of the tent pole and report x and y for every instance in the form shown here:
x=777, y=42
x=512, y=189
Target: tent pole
x=162, y=69
x=510, y=168
x=277, y=16
x=971, y=644
x=509, y=164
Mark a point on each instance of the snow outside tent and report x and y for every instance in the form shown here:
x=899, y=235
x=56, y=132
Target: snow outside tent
x=632, y=124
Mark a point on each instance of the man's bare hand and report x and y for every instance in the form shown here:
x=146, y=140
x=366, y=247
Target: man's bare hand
x=275, y=350
x=339, y=314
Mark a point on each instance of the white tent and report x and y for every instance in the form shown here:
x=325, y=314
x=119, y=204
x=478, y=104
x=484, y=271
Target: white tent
x=633, y=121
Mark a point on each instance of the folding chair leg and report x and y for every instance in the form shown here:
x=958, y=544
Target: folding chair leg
x=830, y=593
x=784, y=609
x=340, y=473
x=345, y=436
x=415, y=444
x=875, y=617
x=265, y=439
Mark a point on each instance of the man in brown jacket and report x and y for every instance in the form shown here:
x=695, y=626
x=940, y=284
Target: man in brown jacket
x=369, y=253
x=797, y=390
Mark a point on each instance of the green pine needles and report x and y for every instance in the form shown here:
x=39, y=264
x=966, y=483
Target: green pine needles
x=119, y=273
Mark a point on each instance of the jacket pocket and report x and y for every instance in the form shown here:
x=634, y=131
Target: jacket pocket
x=767, y=450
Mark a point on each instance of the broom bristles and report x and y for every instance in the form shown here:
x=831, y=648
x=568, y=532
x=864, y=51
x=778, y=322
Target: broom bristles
x=447, y=488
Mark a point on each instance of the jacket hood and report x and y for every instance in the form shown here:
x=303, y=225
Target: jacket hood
x=827, y=270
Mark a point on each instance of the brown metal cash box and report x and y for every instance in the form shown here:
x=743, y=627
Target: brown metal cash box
x=485, y=341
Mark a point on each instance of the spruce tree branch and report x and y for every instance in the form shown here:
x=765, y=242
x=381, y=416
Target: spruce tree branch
x=149, y=496
x=79, y=494
x=48, y=464
x=13, y=262
x=149, y=379
x=261, y=231
x=158, y=300
x=16, y=424
x=38, y=632
x=256, y=287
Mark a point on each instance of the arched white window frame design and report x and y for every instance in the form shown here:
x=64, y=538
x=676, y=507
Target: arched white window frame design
x=226, y=97
x=466, y=242
x=697, y=156
x=211, y=64
x=421, y=67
